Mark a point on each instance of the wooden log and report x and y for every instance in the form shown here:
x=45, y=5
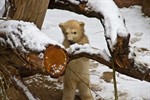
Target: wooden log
x=55, y=61
x=21, y=49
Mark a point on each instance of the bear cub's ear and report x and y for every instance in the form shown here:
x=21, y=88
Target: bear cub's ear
x=61, y=25
x=81, y=24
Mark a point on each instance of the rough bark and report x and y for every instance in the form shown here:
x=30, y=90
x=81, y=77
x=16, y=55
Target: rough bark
x=28, y=10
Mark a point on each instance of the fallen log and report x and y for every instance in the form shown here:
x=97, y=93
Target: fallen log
x=31, y=51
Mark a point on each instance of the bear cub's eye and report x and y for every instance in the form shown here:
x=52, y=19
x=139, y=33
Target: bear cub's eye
x=66, y=33
x=74, y=32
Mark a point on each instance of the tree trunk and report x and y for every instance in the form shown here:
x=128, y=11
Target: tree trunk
x=28, y=10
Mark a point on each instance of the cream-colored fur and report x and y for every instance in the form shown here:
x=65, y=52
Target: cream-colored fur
x=77, y=72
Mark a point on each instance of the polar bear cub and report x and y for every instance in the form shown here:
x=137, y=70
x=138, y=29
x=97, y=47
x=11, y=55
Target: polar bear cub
x=77, y=72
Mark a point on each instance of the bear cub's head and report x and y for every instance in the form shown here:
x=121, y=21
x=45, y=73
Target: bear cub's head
x=73, y=31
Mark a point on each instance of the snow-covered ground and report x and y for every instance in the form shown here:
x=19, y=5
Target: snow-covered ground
x=139, y=28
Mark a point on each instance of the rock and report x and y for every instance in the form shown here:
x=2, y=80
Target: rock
x=146, y=7
x=107, y=77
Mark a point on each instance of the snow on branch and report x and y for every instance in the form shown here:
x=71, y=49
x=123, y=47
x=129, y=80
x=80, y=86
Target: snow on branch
x=77, y=50
x=138, y=70
x=113, y=19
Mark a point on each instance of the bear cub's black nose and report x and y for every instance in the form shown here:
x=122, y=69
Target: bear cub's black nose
x=71, y=42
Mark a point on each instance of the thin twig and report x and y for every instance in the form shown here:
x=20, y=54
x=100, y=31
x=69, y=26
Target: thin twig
x=114, y=79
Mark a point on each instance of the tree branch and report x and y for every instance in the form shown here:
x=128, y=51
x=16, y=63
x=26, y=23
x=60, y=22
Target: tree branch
x=138, y=71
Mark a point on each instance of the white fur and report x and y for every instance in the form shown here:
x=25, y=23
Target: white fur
x=77, y=73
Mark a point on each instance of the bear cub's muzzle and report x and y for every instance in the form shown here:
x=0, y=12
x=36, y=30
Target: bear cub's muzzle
x=71, y=42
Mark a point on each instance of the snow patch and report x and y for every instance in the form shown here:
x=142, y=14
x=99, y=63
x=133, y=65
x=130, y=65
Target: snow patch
x=122, y=31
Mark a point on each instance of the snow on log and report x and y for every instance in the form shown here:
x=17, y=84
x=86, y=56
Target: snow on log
x=25, y=36
x=31, y=50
